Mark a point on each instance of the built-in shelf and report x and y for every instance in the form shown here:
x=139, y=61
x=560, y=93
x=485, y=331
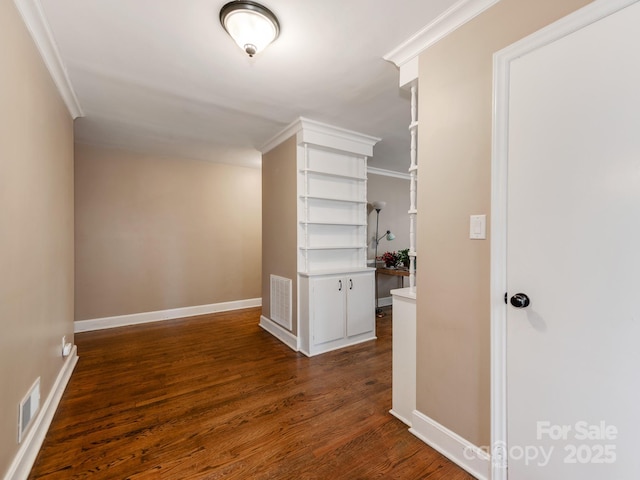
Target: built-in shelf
x=335, y=271
x=332, y=213
x=334, y=175
x=339, y=224
x=335, y=247
x=332, y=199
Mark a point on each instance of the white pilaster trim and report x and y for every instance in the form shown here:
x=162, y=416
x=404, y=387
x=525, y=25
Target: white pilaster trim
x=499, y=207
x=33, y=17
x=463, y=453
x=161, y=315
x=286, y=337
x=28, y=451
x=452, y=19
x=387, y=173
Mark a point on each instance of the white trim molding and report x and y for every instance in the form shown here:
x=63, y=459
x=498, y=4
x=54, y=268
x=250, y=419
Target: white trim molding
x=409, y=73
x=463, y=453
x=286, y=337
x=404, y=56
x=26, y=456
x=387, y=173
x=385, y=301
x=406, y=421
x=36, y=22
x=317, y=133
x=452, y=19
x=161, y=315
x=573, y=22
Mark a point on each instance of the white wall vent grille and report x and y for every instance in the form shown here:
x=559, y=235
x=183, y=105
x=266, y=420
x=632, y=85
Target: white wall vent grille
x=28, y=408
x=281, y=301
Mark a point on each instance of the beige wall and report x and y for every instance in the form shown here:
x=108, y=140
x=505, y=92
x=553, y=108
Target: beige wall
x=394, y=217
x=453, y=363
x=158, y=233
x=279, y=221
x=36, y=219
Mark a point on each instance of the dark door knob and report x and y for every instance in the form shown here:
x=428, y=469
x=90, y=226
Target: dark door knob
x=520, y=300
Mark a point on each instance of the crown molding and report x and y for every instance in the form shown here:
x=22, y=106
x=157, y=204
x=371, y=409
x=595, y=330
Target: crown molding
x=284, y=134
x=33, y=17
x=452, y=19
x=322, y=134
x=388, y=173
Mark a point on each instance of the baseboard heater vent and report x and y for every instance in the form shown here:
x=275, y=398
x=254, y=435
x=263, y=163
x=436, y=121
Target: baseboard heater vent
x=281, y=301
x=28, y=409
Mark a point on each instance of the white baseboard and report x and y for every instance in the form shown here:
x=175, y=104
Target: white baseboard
x=286, y=337
x=406, y=421
x=147, y=317
x=28, y=451
x=385, y=301
x=460, y=451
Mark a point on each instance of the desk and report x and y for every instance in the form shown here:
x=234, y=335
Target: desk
x=394, y=272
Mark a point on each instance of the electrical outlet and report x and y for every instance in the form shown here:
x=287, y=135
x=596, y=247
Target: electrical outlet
x=66, y=346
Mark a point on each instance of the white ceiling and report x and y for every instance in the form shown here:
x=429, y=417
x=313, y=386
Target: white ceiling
x=163, y=77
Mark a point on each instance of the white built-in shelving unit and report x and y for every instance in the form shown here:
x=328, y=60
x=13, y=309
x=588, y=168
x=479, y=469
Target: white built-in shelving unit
x=332, y=210
x=336, y=288
x=336, y=300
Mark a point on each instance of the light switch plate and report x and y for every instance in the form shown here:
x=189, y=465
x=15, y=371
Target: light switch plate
x=478, y=227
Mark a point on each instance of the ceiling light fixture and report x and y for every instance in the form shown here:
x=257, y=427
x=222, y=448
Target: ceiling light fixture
x=251, y=25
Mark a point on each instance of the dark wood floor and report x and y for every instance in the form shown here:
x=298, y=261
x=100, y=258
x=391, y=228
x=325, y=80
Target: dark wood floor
x=217, y=397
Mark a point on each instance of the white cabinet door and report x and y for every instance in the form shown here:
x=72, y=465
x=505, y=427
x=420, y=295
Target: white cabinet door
x=341, y=311
x=328, y=295
x=360, y=303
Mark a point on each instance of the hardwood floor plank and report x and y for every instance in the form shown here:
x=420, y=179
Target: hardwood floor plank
x=217, y=397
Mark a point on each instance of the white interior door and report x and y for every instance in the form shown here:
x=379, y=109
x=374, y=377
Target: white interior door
x=573, y=247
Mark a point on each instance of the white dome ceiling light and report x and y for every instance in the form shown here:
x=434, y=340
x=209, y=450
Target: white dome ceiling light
x=252, y=26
